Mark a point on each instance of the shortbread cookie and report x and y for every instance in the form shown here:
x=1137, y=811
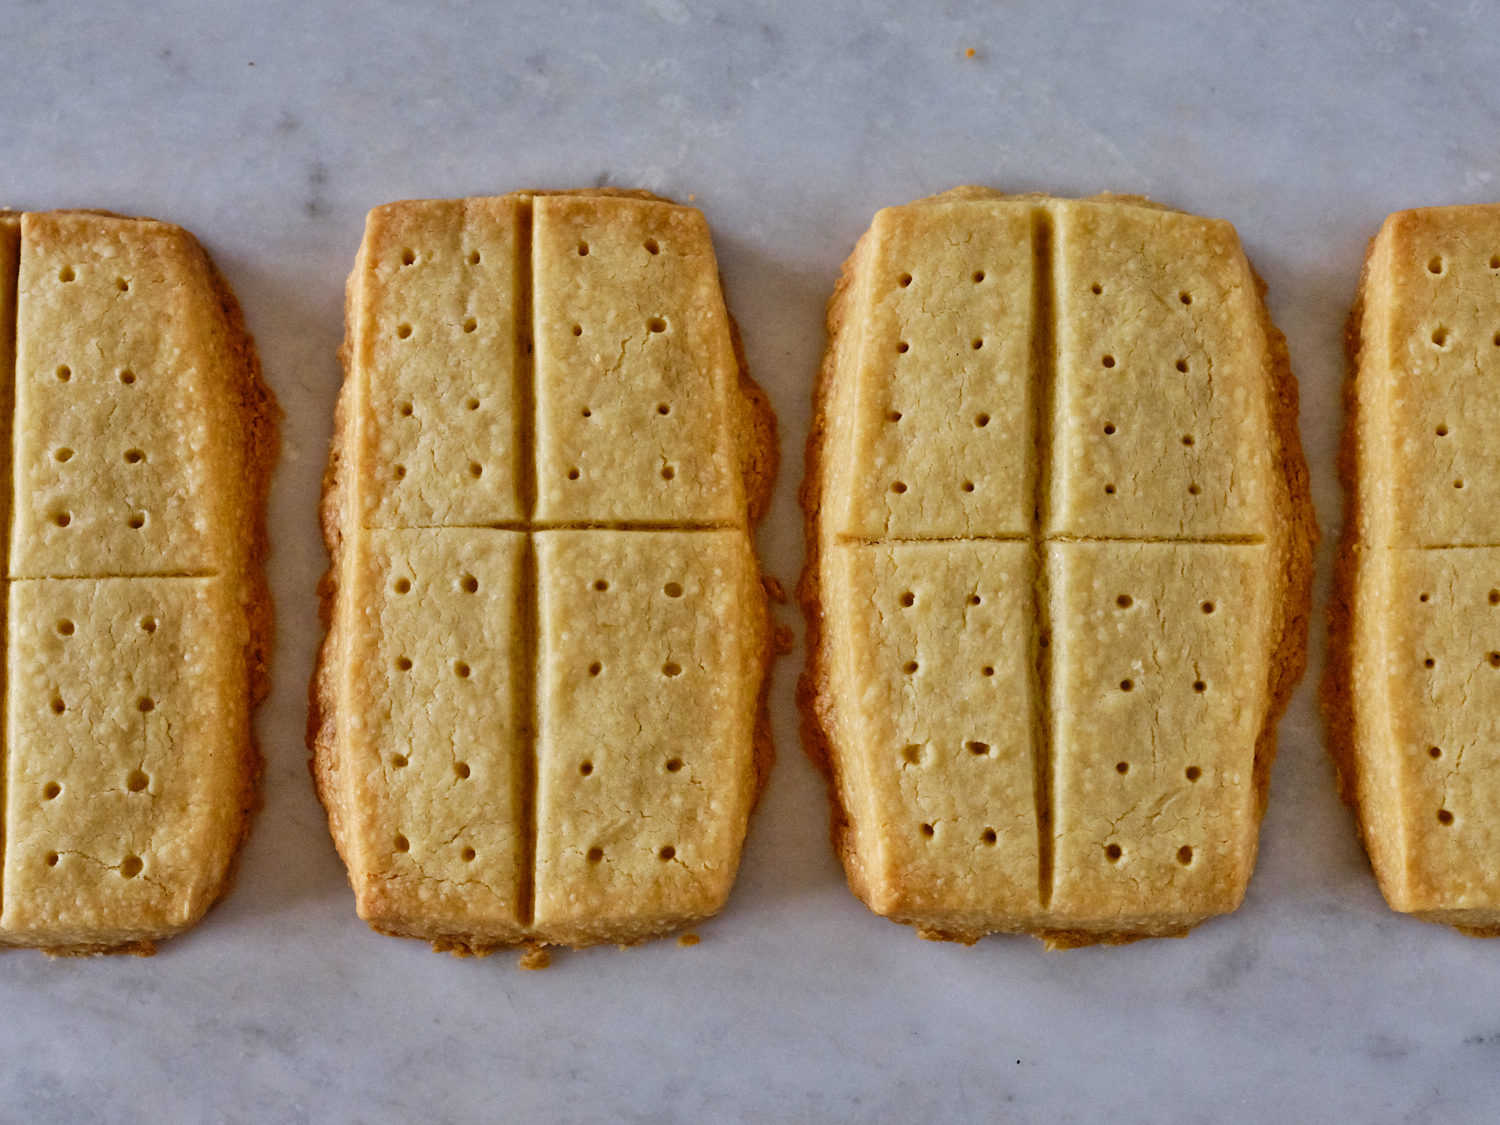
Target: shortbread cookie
x=539, y=713
x=1061, y=552
x=1413, y=683
x=138, y=618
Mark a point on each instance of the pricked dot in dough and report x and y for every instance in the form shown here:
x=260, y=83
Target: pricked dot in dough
x=1112, y=852
x=663, y=408
x=1497, y=339
x=903, y=347
x=1109, y=490
x=1108, y=361
x=1495, y=597
x=976, y=343
x=1495, y=261
x=601, y=585
x=64, y=373
x=573, y=474
x=399, y=761
x=1207, y=607
x=898, y=487
x=127, y=377
x=988, y=836
x=674, y=765
x=1434, y=752
x=928, y=831
x=672, y=590
x=981, y=420
x=402, y=586
x=474, y=257
x=131, y=866
x=1442, y=431
x=585, y=768
x=1184, y=855
x=403, y=331
x=1424, y=597
x=408, y=257
x=470, y=324
x=1194, y=490
x=64, y=454
x=476, y=470
x=399, y=472
x=148, y=624
x=1187, y=439
x=461, y=770
x=1193, y=773
x=975, y=599
x=583, y=249
x=461, y=670
x=912, y=753
x=403, y=664
x=62, y=519
x=65, y=627
x=578, y=330
x=51, y=791
x=595, y=855
x=968, y=486
x=668, y=472
x=1122, y=767
x=893, y=416
x=671, y=669
x=1494, y=659
x=910, y=667
x=52, y=858
x=136, y=521
x=595, y=668
x=467, y=855
x=1109, y=427
x=668, y=852
x=1185, y=298
x=1127, y=685
x=469, y=584
x=1199, y=686
x=58, y=706
x=1096, y=289
x=401, y=843
x=978, y=276
x=1429, y=663
x=904, y=280
x=587, y=413
x=1458, y=484
x=146, y=704
x=651, y=246
x=1124, y=601
x=1445, y=817
x=656, y=324
x=908, y=599
x=978, y=749
x=66, y=274
x=1435, y=265
x=1182, y=365
x=987, y=670
x=136, y=781
x=1440, y=336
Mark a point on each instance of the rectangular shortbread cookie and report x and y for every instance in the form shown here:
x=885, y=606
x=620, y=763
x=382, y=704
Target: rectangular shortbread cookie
x=137, y=615
x=538, y=705
x=1060, y=578
x=1413, y=685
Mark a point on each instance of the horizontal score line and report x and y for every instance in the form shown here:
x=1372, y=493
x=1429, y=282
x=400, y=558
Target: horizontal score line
x=566, y=525
x=173, y=574
x=1213, y=540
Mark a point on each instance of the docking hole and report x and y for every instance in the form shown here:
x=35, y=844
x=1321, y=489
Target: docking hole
x=131, y=866
x=893, y=416
x=908, y=599
x=601, y=585
x=657, y=324
x=468, y=855
x=474, y=257
x=976, y=343
x=137, y=521
x=1182, y=365
x=903, y=347
x=127, y=377
x=572, y=474
x=1096, y=289
x=408, y=257
x=578, y=330
x=1434, y=752
x=58, y=706
x=1122, y=767
x=400, y=472
x=667, y=852
x=1445, y=817
x=461, y=670
x=671, y=669
x=64, y=454
x=1109, y=490
x=1199, y=686
x=66, y=274
x=1494, y=659
x=987, y=670
x=1440, y=336
x=981, y=420
x=1184, y=855
x=595, y=668
x=583, y=249
x=148, y=624
x=978, y=276
x=910, y=667
x=1127, y=685
x=51, y=859
x=62, y=519
x=1495, y=597
x=146, y=704
x=399, y=761
x=1124, y=601
x=1208, y=607
x=476, y=470
x=1187, y=439
x=898, y=487
x=469, y=584
x=968, y=486
x=1193, y=490
x=585, y=768
x=470, y=324
x=975, y=599
x=403, y=664
x=1442, y=431
x=1435, y=265
x=1193, y=773
x=1185, y=298
x=979, y=749
x=674, y=765
x=928, y=831
x=1109, y=427
x=1108, y=361
x=402, y=586
x=1423, y=597
x=461, y=769
x=51, y=791
x=988, y=836
x=406, y=410
x=1112, y=852
x=651, y=246
x=1495, y=262
x=1428, y=663
x=663, y=409
x=402, y=843
x=667, y=472
x=672, y=590
x=65, y=627
x=595, y=855
x=904, y=280
x=403, y=331
x=64, y=373
x=912, y=753
x=136, y=781
x=587, y=413
x=1458, y=484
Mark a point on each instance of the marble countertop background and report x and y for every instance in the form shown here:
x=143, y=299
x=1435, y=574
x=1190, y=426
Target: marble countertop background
x=270, y=127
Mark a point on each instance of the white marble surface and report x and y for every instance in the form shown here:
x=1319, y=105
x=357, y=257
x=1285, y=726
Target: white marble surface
x=791, y=123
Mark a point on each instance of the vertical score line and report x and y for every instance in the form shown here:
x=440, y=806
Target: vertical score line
x=529, y=609
x=1044, y=374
